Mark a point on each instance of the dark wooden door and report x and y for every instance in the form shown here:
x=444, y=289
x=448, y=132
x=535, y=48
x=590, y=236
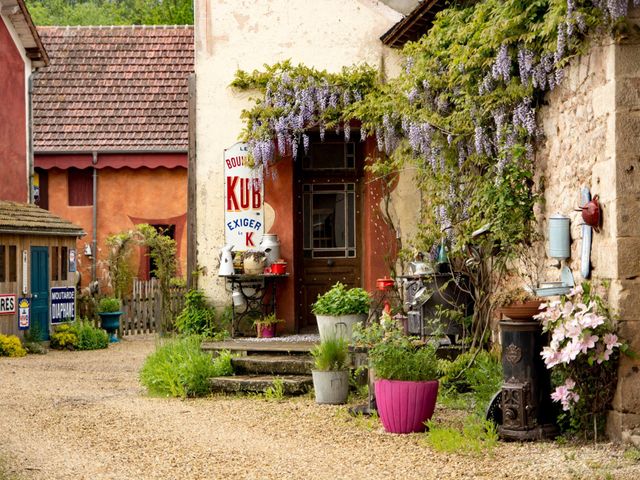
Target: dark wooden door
x=329, y=245
x=40, y=289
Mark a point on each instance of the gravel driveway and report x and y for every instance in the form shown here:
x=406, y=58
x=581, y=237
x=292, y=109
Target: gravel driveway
x=83, y=415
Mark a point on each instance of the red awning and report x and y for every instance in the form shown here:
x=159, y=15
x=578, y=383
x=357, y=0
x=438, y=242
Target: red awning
x=124, y=160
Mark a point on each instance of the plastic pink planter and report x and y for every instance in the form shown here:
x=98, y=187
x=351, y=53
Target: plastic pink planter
x=267, y=331
x=405, y=406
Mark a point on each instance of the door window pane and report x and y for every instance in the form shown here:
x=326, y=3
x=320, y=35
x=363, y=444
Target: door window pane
x=3, y=264
x=64, y=263
x=55, y=261
x=13, y=263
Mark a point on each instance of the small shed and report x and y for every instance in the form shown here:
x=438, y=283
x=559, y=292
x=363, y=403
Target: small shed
x=37, y=268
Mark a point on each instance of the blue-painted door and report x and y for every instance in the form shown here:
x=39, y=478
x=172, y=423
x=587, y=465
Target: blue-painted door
x=40, y=289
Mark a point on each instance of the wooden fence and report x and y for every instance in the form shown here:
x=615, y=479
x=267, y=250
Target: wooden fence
x=143, y=311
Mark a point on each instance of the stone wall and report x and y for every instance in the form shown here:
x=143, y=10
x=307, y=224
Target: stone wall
x=592, y=138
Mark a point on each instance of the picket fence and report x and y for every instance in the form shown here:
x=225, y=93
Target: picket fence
x=143, y=311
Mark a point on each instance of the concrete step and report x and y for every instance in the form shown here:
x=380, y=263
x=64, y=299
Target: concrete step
x=293, y=384
x=273, y=364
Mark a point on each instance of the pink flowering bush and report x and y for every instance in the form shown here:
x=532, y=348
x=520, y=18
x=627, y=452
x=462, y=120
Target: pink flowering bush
x=583, y=352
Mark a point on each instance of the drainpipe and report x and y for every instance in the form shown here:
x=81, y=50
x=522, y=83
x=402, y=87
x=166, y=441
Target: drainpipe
x=94, y=240
x=30, y=197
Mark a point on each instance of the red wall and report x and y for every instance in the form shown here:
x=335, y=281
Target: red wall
x=279, y=193
x=13, y=129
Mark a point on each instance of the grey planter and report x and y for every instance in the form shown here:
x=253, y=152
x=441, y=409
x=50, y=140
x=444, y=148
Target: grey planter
x=338, y=326
x=331, y=387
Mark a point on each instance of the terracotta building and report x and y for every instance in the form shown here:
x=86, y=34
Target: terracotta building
x=111, y=133
x=21, y=52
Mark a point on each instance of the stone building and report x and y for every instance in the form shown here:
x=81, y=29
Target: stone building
x=592, y=139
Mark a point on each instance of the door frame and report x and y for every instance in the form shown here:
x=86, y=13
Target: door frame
x=327, y=176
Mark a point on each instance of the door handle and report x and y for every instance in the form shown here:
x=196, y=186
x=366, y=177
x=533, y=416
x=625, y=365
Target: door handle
x=330, y=263
x=35, y=295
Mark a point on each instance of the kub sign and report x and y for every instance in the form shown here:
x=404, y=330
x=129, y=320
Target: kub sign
x=243, y=200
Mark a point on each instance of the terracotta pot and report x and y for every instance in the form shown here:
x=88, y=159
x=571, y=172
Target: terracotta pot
x=521, y=311
x=404, y=407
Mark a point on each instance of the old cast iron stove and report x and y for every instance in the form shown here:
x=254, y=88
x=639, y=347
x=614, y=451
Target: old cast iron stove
x=527, y=411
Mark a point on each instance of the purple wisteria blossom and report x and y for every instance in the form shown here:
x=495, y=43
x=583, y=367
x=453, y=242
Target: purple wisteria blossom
x=525, y=64
x=524, y=116
x=502, y=65
x=347, y=131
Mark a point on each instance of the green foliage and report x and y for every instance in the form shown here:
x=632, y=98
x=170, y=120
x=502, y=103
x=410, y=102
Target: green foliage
x=109, y=305
x=10, y=346
x=479, y=373
x=197, y=318
x=275, y=393
x=90, y=337
x=331, y=354
x=78, y=336
x=64, y=337
x=394, y=356
x=342, y=301
x=179, y=368
x=270, y=319
x=111, y=12
x=633, y=454
x=476, y=437
x=120, y=271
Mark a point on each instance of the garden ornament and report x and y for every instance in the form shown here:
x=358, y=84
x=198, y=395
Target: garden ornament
x=226, y=261
x=591, y=213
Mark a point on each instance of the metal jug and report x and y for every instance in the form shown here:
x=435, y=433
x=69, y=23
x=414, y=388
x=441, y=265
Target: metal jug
x=270, y=245
x=226, y=261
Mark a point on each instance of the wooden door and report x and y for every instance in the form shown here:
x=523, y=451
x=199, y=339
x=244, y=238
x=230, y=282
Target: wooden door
x=329, y=245
x=40, y=289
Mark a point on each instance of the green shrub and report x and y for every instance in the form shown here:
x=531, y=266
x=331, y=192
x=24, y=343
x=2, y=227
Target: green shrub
x=10, y=346
x=109, y=305
x=78, y=336
x=179, y=368
x=64, y=337
x=331, y=354
x=90, y=337
x=342, y=301
x=197, y=318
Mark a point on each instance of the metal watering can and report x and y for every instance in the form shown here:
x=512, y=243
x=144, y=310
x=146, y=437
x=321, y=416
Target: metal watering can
x=226, y=261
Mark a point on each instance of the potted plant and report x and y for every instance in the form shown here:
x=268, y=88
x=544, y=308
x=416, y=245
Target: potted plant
x=266, y=326
x=253, y=262
x=406, y=386
x=518, y=304
x=339, y=309
x=331, y=373
x=109, y=311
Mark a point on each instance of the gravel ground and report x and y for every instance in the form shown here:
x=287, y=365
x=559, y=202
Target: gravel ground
x=83, y=415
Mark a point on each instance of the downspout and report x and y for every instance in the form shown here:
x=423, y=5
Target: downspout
x=31, y=173
x=94, y=240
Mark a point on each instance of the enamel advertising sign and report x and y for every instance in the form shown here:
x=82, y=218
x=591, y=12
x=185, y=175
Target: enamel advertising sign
x=7, y=303
x=243, y=200
x=63, y=304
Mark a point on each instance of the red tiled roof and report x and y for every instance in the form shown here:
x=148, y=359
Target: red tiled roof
x=113, y=88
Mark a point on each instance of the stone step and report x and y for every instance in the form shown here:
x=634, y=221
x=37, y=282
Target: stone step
x=257, y=346
x=273, y=364
x=293, y=384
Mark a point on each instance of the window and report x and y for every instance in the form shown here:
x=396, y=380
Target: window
x=80, y=185
x=64, y=262
x=3, y=264
x=55, y=263
x=13, y=263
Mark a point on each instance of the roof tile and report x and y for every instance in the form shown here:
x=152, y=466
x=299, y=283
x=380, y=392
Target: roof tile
x=107, y=82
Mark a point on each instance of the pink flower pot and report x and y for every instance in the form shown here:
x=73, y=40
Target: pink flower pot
x=266, y=331
x=404, y=406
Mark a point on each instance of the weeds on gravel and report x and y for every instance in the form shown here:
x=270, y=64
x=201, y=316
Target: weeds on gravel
x=179, y=368
x=477, y=436
x=275, y=393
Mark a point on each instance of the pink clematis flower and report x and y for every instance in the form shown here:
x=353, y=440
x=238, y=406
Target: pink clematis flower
x=588, y=342
x=611, y=341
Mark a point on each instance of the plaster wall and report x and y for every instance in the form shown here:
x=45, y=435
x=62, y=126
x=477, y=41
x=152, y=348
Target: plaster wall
x=126, y=197
x=592, y=132
x=13, y=117
x=243, y=34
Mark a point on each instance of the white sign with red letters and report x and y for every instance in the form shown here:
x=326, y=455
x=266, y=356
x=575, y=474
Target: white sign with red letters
x=243, y=200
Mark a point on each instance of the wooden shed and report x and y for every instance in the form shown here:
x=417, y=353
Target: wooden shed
x=38, y=268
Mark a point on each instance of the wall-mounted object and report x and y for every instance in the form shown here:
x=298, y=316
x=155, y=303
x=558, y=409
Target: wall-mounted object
x=559, y=237
x=585, y=255
x=591, y=213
